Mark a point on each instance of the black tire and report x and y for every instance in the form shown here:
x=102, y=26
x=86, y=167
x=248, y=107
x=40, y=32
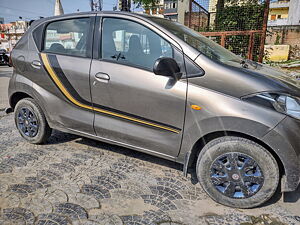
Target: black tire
x=43, y=131
x=224, y=149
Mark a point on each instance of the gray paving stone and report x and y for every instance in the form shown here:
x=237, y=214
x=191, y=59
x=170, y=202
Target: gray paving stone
x=52, y=219
x=73, y=211
x=49, y=175
x=73, y=180
x=37, y=182
x=18, y=216
x=62, y=167
x=86, y=201
x=95, y=190
x=22, y=189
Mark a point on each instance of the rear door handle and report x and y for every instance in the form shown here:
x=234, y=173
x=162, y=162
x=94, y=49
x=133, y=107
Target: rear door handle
x=102, y=77
x=36, y=64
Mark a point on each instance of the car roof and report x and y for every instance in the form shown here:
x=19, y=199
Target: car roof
x=70, y=15
x=97, y=13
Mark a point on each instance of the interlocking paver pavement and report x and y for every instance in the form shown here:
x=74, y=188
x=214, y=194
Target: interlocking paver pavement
x=74, y=180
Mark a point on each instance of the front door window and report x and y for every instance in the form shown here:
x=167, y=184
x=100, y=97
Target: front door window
x=131, y=43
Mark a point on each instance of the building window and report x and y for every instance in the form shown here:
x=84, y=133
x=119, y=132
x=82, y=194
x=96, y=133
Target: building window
x=273, y=17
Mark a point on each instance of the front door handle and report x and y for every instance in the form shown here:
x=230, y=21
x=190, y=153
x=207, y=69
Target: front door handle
x=102, y=77
x=36, y=64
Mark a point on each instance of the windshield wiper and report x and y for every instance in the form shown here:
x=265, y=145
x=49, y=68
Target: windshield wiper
x=244, y=63
x=252, y=63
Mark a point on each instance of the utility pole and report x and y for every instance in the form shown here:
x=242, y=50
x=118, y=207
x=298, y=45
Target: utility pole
x=96, y=5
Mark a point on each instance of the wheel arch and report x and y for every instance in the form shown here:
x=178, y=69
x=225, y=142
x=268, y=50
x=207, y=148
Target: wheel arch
x=201, y=142
x=16, y=97
x=27, y=92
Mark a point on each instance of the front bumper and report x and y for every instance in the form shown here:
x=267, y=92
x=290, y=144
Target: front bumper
x=284, y=139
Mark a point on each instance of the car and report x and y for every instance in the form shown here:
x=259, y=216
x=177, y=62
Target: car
x=4, y=57
x=155, y=86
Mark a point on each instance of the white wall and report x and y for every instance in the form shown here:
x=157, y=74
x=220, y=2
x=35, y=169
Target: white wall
x=294, y=13
x=183, y=6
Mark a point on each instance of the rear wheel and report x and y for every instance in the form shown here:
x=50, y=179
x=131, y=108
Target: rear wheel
x=31, y=121
x=237, y=172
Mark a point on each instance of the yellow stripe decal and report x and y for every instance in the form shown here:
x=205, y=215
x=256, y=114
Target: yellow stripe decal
x=74, y=101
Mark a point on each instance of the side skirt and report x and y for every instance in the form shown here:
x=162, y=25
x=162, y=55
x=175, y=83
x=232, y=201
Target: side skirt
x=109, y=141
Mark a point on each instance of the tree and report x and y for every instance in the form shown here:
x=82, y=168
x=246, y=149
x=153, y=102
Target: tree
x=146, y=3
x=241, y=15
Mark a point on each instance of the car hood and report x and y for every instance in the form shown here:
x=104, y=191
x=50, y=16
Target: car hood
x=233, y=79
x=278, y=78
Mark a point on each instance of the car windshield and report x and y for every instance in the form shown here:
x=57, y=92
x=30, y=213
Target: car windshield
x=206, y=46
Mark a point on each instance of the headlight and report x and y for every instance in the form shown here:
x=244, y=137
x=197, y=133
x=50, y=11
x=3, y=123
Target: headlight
x=282, y=103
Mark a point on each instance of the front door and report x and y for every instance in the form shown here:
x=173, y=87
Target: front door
x=134, y=106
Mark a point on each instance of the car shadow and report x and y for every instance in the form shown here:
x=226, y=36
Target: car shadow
x=288, y=197
x=274, y=199
x=129, y=152
x=59, y=137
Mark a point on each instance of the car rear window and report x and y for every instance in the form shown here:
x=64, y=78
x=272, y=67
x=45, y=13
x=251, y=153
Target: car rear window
x=68, y=37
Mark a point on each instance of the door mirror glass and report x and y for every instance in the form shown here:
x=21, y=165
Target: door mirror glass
x=167, y=67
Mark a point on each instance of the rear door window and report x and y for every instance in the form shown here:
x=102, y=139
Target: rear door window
x=68, y=37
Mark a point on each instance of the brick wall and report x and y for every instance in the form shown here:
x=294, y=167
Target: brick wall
x=285, y=35
x=198, y=20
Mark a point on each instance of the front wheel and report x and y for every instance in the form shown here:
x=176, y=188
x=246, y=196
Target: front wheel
x=31, y=121
x=237, y=172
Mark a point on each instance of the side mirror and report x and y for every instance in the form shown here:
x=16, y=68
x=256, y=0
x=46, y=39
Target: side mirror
x=167, y=67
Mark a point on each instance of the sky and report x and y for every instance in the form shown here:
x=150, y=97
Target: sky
x=33, y=9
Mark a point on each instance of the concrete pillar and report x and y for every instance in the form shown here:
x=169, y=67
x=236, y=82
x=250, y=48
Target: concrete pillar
x=294, y=13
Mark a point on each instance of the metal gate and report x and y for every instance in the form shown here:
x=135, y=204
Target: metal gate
x=238, y=25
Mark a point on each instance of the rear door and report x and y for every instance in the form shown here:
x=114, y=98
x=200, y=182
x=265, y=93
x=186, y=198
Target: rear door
x=66, y=57
x=133, y=105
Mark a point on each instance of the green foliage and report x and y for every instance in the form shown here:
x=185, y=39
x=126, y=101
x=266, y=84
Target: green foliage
x=277, y=41
x=242, y=15
x=146, y=3
x=248, y=16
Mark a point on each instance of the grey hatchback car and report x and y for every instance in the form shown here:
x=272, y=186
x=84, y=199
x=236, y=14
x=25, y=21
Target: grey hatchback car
x=155, y=86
